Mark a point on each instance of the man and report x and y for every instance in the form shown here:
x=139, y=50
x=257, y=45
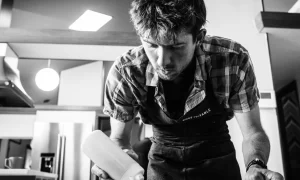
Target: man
x=186, y=84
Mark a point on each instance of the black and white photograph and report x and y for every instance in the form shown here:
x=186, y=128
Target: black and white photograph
x=149, y=89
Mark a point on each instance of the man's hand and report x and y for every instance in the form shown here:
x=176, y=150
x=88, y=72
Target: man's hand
x=103, y=175
x=100, y=173
x=255, y=172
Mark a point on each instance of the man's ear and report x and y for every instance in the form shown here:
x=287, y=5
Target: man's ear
x=200, y=35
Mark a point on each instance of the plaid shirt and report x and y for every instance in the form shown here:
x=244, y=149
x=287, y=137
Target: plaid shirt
x=225, y=63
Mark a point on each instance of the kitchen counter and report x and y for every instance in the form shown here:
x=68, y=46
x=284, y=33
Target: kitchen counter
x=26, y=174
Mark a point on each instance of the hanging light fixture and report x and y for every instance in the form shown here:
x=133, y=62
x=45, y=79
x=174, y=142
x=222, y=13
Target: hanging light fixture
x=47, y=79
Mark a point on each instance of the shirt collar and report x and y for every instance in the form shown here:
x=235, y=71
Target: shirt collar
x=151, y=75
x=200, y=73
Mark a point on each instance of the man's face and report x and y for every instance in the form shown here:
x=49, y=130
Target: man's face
x=170, y=58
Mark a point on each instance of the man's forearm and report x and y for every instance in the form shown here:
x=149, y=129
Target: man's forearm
x=120, y=133
x=122, y=143
x=256, y=145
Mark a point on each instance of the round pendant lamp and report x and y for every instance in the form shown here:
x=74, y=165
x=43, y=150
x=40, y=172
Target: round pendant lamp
x=47, y=79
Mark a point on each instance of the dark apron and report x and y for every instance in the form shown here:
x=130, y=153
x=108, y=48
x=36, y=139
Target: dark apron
x=196, y=146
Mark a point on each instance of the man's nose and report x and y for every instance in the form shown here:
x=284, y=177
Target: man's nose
x=164, y=57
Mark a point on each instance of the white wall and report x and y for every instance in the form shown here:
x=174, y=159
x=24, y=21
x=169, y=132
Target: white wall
x=82, y=85
x=3, y=49
x=18, y=126
x=234, y=19
x=278, y=5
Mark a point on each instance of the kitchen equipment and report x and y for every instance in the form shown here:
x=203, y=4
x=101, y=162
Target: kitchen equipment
x=109, y=157
x=14, y=162
x=47, y=162
x=12, y=93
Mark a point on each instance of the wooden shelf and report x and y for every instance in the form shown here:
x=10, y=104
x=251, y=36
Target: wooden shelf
x=268, y=21
x=59, y=36
x=12, y=110
x=27, y=172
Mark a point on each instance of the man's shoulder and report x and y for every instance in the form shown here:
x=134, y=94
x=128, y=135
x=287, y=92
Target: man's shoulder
x=225, y=52
x=133, y=57
x=132, y=65
x=217, y=44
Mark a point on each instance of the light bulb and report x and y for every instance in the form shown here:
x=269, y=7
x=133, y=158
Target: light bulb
x=47, y=79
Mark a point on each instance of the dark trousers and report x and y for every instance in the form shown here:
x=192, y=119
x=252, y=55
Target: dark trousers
x=194, y=162
x=182, y=153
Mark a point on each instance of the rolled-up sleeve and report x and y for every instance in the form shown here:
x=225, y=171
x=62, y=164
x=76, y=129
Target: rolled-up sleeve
x=244, y=94
x=119, y=102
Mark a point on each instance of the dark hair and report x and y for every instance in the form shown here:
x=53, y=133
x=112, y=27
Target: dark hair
x=164, y=19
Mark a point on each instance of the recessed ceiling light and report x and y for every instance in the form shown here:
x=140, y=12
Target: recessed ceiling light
x=90, y=21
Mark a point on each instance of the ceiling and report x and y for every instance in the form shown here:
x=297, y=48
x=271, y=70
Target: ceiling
x=59, y=14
